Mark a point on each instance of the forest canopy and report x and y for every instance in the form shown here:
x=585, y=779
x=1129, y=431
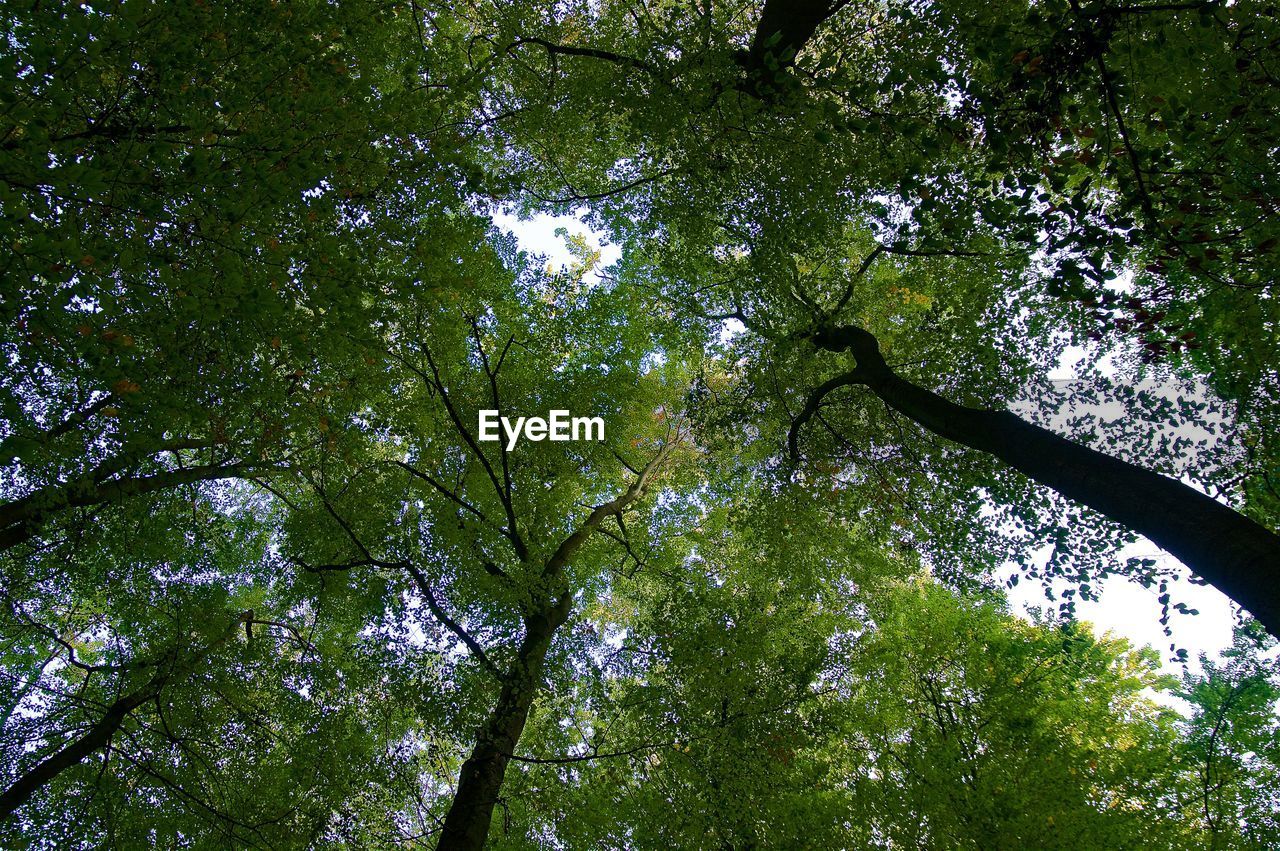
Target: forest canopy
x=267, y=582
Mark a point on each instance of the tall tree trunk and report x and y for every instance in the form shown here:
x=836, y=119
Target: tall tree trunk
x=466, y=825
x=92, y=741
x=100, y=733
x=786, y=27
x=1231, y=552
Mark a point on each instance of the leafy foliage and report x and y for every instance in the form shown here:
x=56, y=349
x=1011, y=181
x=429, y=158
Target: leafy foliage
x=264, y=585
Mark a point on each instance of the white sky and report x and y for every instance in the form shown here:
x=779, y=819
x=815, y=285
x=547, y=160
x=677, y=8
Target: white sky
x=1125, y=608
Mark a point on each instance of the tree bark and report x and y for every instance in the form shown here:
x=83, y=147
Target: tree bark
x=466, y=825
x=1228, y=550
x=21, y=519
x=792, y=24
x=101, y=732
x=94, y=740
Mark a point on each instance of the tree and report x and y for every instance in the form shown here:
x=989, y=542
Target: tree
x=266, y=584
x=759, y=709
x=177, y=691
x=957, y=139
x=1231, y=747
x=179, y=198
x=1002, y=734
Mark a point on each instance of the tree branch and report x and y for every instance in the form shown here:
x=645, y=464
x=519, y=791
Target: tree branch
x=592, y=53
x=453, y=626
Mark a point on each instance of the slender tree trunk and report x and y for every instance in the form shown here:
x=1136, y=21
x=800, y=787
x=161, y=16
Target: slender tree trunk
x=100, y=733
x=94, y=740
x=466, y=826
x=1231, y=552
x=21, y=519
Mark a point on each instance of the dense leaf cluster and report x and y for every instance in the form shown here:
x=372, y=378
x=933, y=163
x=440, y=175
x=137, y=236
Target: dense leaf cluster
x=263, y=586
